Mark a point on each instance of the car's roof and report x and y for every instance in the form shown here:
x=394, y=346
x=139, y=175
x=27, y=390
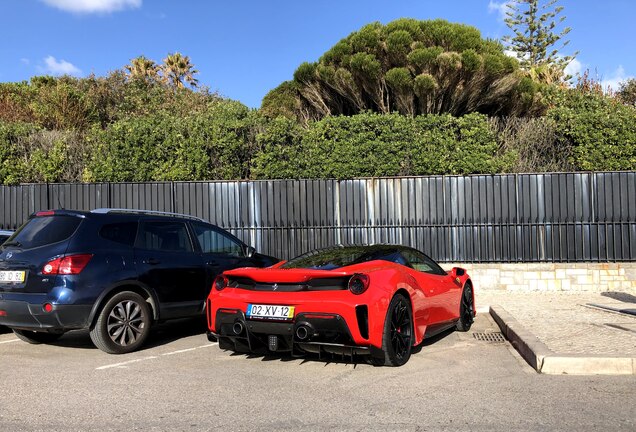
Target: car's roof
x=129, y=213
x=368, y=247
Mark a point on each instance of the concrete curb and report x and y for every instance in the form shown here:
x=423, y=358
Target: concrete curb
x=545, y=361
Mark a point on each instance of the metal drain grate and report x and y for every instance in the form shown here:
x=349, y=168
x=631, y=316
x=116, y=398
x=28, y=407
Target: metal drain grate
x=494, y=337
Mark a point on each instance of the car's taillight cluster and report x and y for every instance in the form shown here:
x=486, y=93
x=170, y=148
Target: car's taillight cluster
x=67, y=265
x=220, y=282
x=358, y=283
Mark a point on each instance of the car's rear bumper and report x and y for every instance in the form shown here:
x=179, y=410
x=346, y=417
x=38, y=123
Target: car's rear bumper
x=308, y=332
x=23, y=315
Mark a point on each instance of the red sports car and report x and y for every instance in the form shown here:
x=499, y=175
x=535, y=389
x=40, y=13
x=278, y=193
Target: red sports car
x=380, y=300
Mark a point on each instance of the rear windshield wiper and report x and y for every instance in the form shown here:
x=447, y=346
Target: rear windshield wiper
x=13, y=243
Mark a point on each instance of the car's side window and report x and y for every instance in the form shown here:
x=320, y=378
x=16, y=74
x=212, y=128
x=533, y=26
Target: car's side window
x=213, y=241
x=122, y=232
x=164, y=236
x=422, y=263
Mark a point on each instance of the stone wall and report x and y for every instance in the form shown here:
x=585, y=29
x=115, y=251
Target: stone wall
x=552, y=277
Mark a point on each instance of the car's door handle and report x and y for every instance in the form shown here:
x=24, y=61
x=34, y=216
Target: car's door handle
x=152, y=261
x=211, y=263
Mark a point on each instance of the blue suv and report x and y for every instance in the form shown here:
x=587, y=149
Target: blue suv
x=115, y=272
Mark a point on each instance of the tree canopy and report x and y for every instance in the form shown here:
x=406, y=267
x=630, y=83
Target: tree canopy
x=537, y=38
x=408, y=66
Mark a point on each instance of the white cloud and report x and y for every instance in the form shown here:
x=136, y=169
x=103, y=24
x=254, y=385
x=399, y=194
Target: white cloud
x=25, y=61
x=513, y=54
x=614, y=81
x=60, y=67
x=500, y=7
x=93, y=6
x=574, y=68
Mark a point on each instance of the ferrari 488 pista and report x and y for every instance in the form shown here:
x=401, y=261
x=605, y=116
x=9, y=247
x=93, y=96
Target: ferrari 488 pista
x=380, y=300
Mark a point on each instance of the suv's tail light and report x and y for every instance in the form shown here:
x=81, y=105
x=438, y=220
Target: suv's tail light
x=358, y=283
x=220, y=282
x=67, y=265
x=45, y=213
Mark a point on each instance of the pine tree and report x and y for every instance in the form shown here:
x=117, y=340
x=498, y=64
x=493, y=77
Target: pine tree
x=536, y=38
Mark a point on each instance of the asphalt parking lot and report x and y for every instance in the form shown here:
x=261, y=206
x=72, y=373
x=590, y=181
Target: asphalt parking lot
x=183, y=382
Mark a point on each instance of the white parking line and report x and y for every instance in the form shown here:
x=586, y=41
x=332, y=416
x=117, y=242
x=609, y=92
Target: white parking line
x=208, y=345
x=178, y=352
x=124, y=364
x=12, y=340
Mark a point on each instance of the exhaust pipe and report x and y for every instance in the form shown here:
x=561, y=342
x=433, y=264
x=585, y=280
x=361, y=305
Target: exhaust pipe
x=303, y=332
x=237, y=328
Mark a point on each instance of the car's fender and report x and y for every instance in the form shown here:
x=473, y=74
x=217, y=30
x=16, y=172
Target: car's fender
x=131, y=285
x=386, y=283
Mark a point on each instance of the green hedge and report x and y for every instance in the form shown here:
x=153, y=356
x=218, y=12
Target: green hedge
x=368, y=144
x=600, y=131
x=211, y=145
x=225, y=140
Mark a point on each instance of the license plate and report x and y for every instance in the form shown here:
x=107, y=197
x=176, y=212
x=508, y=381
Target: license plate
x=12, y=276
x=270, y=311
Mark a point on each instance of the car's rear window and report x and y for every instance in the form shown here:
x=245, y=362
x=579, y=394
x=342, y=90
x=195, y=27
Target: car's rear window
x=333, y=258
x=41, y=231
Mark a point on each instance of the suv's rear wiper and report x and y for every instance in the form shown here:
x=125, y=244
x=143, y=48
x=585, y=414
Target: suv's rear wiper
x=12, y=243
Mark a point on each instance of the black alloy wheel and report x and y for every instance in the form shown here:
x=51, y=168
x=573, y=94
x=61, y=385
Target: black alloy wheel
x=397, y=338
x=466, y=314
x=123, y=324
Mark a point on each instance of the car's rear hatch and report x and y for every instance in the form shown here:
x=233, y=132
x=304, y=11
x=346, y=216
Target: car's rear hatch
x=45, y=236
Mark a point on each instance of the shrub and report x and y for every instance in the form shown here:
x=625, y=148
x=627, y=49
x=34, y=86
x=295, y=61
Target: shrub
x=371, y=144
x=600, y=130
x=215, y=144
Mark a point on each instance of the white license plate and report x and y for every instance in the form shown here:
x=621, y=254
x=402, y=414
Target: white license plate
x=270, y=311
x=12, y=276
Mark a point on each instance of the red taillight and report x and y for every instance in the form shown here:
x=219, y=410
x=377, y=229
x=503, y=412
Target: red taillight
x=319, y=316
x=3, y=313
x=220, y=282
x=67, y=265
x=45, y=213
x=358, y=283
x=47, y=307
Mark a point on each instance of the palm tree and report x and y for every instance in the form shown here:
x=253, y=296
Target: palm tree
x=177, y=69
x=143, y=68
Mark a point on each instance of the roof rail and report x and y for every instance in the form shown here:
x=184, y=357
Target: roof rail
x=146, y=212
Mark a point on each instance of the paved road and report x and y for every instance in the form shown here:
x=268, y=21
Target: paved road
x=182, y=382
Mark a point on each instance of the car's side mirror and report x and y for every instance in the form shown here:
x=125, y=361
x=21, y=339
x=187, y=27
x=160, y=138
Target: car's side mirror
x=249, y=251
x=458, y=271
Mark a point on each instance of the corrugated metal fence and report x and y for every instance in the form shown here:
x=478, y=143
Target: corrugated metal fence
x=484, y=218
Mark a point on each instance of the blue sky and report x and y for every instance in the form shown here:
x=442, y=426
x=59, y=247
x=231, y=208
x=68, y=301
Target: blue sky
x=245, y=48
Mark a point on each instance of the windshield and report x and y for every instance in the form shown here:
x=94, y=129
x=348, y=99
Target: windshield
x=333, y=258
x=41, y=231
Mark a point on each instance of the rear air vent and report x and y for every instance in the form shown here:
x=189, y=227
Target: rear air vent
x=209, y=311
x=362, y=314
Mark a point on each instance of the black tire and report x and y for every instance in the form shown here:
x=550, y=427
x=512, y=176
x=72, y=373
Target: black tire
x=123, y=324
x=36, y=338
x=466, y=314
x=397, y=337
